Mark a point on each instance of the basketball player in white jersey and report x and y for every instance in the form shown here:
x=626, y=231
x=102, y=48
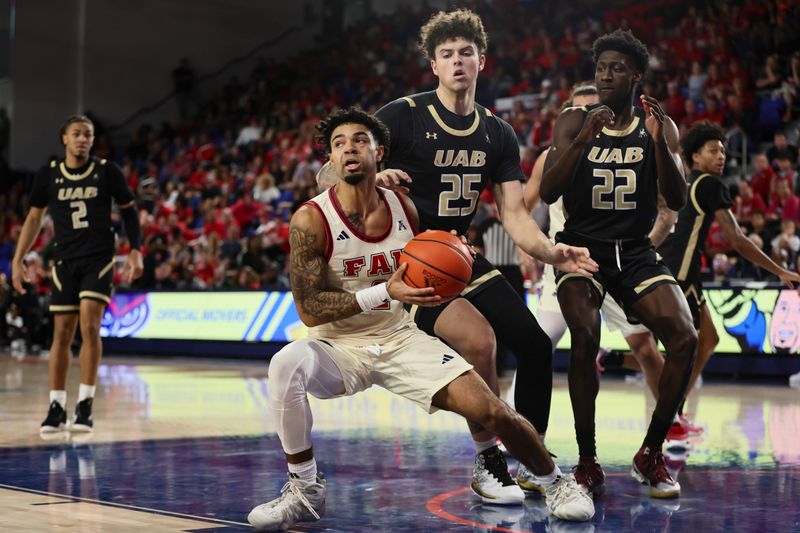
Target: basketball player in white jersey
x=548, y=313
x=345, y=244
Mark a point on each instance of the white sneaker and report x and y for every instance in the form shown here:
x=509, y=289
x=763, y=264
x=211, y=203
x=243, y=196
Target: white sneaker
x=300, y=501
x=567, y=501
x=491, y=480
x=527, y=481
x=794, y=380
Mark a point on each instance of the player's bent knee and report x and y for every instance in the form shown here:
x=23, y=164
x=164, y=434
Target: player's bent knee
x=682, y=345
x=286, y=367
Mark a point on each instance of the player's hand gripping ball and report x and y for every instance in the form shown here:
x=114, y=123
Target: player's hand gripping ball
x=437, y=259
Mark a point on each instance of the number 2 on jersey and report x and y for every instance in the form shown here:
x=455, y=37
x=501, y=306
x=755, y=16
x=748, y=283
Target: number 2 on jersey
x=461, y=188
x=77, y=216
x=616, y=200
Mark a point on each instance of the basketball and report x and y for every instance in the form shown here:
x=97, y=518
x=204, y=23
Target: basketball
x=437, y=259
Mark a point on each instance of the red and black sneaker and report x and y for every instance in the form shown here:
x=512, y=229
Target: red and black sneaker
x=589, y=475
x=649, y=468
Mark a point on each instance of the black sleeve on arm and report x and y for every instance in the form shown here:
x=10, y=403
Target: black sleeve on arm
x=130, y=219
x=124, y=197
x=509, y=167
x=397, y=117
x=39, y=196
x=120, y=191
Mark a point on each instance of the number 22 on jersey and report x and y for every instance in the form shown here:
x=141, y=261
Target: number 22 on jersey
x=609, y=195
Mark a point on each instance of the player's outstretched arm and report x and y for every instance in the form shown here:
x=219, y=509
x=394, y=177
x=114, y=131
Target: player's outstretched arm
x=744, y=246
x=531, y=194
x=573, y=130
x=524, y=231
x=30, y=229
x=669, y=168
x=665, y=220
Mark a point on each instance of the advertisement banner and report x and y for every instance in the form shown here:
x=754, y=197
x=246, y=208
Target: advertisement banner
x=749, y=319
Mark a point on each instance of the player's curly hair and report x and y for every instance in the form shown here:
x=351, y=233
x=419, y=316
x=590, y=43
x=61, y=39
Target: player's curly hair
x=444, y=26
x=72, y=119
x=353, y=115
x=623, y=41
x=582, y=88
x=698, y=135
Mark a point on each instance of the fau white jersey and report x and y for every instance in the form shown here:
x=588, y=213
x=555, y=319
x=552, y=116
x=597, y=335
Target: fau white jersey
x=357, y=261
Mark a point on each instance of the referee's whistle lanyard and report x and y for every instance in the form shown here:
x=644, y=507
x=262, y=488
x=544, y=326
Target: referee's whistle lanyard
x=617, y=248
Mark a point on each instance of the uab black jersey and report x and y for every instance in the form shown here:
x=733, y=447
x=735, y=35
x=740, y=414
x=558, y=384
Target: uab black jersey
x=683, y=247
x=614, y=195
x=450, y=158
x=79, y=200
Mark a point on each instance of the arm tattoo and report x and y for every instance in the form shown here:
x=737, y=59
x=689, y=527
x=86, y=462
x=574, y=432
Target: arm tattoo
x=307, y=271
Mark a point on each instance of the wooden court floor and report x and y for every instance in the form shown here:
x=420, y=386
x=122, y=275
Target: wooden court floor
x=188, y=445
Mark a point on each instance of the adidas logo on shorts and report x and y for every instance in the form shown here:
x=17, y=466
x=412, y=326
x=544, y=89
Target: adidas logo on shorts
x=446, y=358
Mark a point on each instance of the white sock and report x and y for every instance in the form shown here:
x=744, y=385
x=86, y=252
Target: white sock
x=482, y=445
x=86, y=391
x=549, y=479
x=60, y=396
x=307, y=470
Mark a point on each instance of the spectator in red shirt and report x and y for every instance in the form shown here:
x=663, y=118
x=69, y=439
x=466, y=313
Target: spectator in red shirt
x=746, y=203
x=761, y=180
x=713, y=112
x=784, y=205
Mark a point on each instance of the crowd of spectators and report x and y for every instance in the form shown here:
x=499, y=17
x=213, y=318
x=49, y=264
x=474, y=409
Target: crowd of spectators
x=216, y=191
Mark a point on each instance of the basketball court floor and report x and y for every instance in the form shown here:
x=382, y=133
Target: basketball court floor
x=184, y=445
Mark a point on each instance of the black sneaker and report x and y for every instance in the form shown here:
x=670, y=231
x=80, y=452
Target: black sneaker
x=56, y=419
x=491, y=480
x=83, y=416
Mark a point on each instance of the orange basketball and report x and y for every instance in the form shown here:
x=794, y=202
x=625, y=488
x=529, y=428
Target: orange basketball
x=437, y=259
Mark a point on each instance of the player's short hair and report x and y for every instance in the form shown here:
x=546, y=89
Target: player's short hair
x=698, y=135
x=72, y=119
x=444, y=26
x=353, y=115
x=623, y=41
x=582, y=88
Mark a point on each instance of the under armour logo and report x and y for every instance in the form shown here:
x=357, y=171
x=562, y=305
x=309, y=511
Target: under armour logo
x=446, y=358
x=401, y=226
x=343, y=236
x=642, y=132
x=430, y=135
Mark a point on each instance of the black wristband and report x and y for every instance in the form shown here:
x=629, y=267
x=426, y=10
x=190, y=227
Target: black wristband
x=130, y=219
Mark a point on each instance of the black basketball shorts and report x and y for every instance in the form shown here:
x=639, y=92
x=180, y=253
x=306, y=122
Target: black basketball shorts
x=75, y=279
x=629, y=269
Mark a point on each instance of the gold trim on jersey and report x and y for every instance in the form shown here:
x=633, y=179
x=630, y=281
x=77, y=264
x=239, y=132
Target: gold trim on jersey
x=105, y=269
x=488, y=113
x=55, y=278
x=64, y=308
x=648, y=282
x=698, y=223
x=453, y=131
x=480, y=281
x=597, y=284
x=409, y=101
x=413, y=312
x=622, y=133
x=701, y=299
x=75, y=177
x=94, y=295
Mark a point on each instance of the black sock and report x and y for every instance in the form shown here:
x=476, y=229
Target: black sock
x=656, y=433
x=586, y=445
